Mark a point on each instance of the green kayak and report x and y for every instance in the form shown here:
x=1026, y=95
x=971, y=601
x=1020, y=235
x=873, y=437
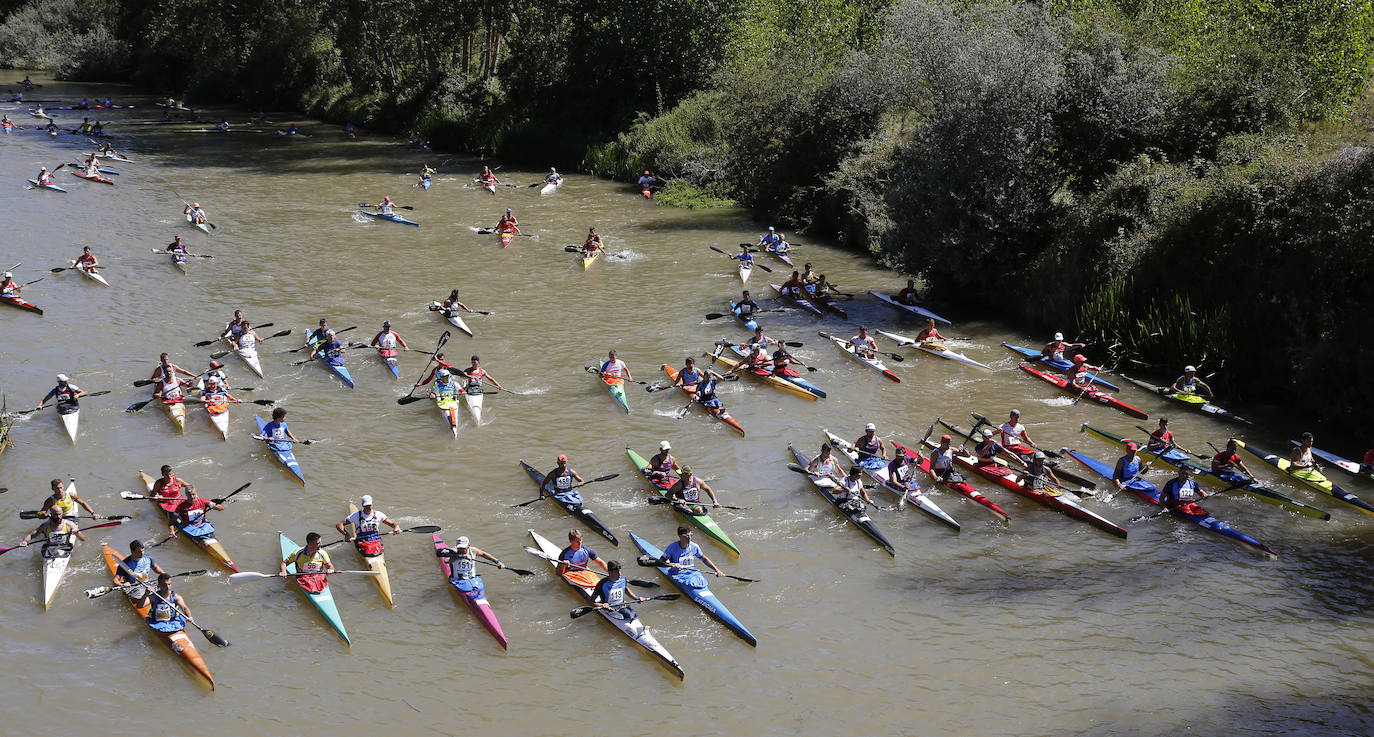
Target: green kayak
x=323, y=601
x=702, y=522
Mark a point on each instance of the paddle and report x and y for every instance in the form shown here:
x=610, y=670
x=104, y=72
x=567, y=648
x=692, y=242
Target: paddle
x=1166, y=510
x=597, y=371
x=164, y=251
x=585, y=610
x=410, y=395
x=100, y=591
x=652, y=562
x=336, y=332
x=246, y=576
x=309, y=441
x=759, y=265
x=39, y=514
x=222, y=354
x=1174, y=444
x=666, y=500
x=894, y=356
x=210, y=635
x=574, y=566
x=450, y=553
x=985, y=421
x=41, y=406
x=83, y=529
x=221, y=500
x=57, y=269
x=188, y=204
x=436, y=307
x=398, y=207
x=798, y=469
x=429, y=529
x=607, y=477
x=204, y=343
x=901, y=504
x=718, y=315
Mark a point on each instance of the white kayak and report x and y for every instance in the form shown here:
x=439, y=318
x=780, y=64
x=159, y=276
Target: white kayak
x=90, y=274
x=745, y=268
x=70, y=421
x=474, y=402
x=936, y=349
x=248, y=355
x=874, y=363
x=915, y=309
x=56, y=566
x=550, y=187
x=452, y=316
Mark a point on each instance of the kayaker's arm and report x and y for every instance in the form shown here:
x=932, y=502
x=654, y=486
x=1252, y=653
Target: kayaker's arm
x=340, y=528
x=709, y=492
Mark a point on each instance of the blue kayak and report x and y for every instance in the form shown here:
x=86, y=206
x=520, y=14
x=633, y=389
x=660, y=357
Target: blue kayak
x=340, y=371
x=799, y=381
x=748, y=321
x=425, y=181
x=392, y=218
x=1150, y=493
x=1059, y=365
x=286, y=457
x=702, y=595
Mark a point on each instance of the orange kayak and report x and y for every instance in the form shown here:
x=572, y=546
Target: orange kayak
x=719, y=412
x=179, y=642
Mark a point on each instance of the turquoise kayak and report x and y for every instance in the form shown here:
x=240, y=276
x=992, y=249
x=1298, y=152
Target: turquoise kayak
x=702, y=595
x=392, y=218
x=323, y=601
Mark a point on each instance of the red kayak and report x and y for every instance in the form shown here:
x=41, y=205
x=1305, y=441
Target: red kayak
x=956, y=483
x=1091, y=392
x=21, y=304
x=96, y=178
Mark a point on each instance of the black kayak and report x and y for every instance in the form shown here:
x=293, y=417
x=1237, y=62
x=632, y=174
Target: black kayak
x=589, y=519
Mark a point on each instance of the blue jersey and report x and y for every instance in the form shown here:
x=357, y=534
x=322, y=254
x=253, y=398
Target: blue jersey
x=1178, y=492
x=276, y=434
x=580, y=557
x=611, y=592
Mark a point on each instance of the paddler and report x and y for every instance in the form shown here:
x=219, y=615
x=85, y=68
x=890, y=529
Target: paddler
x=448, y=306
x=488, y=177
x=757, y=361
x=166, y=385
x=823, y=465
x=700, y=383
x=387, y=340
x=1189, y=383
x=593, y=244
x=367, y=525
x=93, y=167
x=85, y=127
x=427, y=175
x=899, y=469
x=793, y=286
x=807, y=275
x=445, y=388
x=770, y=240
x=909, y=294
x=1054, y=350
x=850, y=494
x=44, y=176
x=986, y=449
x=310, y=560
x=745, y=256
x=386, y=207
x=646, y=182
x=553, y=177
x=559, y=483
x=1226, y=462
x=1037, y=474
x=66, y=501
x=681, y=555
x=783, y=361
x=142, y=566
x=248, y=337
x=1367, y=463
x=189, y=515
x=275, y=433
x=234, y=326
x=8, y=286
x=1014, y=435
x=612, y=591
x=462, y=565
x=66, y=394
x=177, y=246
x=863, y=344
x=1162, y=440
x=689, y=375
x=576, y=556
x=331, y=349
x=661, y=466
x=167, y=611
x=197, y=214
x=761, y=340
x=870, y=447
x=613, y=371
x=746, y=305
x=216, y=396
x=942, y=458
x=215, y=370
x=51, y=129
x=1079, y=372
x=930, y=334
x=317, y=334
x=820, y=290
x=86, y=261
x=169, y=490
x=476, y=374
x=57, y=533
x=1181, y=492
x=686, y=493
x=440, y=366
x=1301, y=454
x=98, y=129
x=507, y=223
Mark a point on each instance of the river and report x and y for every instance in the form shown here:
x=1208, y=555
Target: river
x=1044, y=627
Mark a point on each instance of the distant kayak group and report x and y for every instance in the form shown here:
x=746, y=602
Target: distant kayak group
x=1002, y=456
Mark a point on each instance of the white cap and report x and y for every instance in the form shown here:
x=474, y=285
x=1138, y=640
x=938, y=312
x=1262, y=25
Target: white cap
x=443, y=373
x=770, y=228
x=665, y=445
x=987, y=432
x=1058, y=336
x=461, y=542
x=870, y=426
x=366, y=500
x=1190, y=369
x=62, y=377
x=8, y=275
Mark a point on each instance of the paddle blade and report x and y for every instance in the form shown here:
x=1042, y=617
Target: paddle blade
x=643, y=584
x=98, y=592
x=423, y=529
x=214, y=638
x=131, y=495
x=246, y=576
x=409, y=399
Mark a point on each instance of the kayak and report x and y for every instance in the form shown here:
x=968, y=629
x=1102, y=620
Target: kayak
x=1348, y=466
x=178, y=642
x=783, y=257
x=1063, y=502
x=285, y=457
x=646, y=193
x=584, y=582
x=178, y=260
x=176, y=412
x=474, y=403
x=617, y=391
x=801, y=302
x=1022, y=452
x=392, y=217
x=448, y=408
x=70, y=419
x=874, y=363
x=1175, y=458
x=506, y=238
x=748, y=322
x=914, y=309
x=1150, y=493
x=93, y=276
x=956, y=483
x=827, y=302
x=202, y=227
x=53, y=187
x=799, y=381
x=208, y=543
x=693, y=585
x=111, y=157
x=717, y=412
x=96, y=178
x=876, y=468
x=426, y=182
x=777, y=382
x=376, y=563
x=453, y=318
x=1187, y=399
x=40, y=116
x=580, y=511
x=56, y=566
x=745, y=268
x=1310, y=477
x=472, y=592
x=935, y=349
x=323, y=601
x=340, y=371
x=391, y=363
x=550, y=187
x=1059, y=365
x=248, y=355
x=20, y=303
x=859, y=517
x=702, y=522
x=1090, y=392
x=588, y=260
x=219, y=419
x=488, y=186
